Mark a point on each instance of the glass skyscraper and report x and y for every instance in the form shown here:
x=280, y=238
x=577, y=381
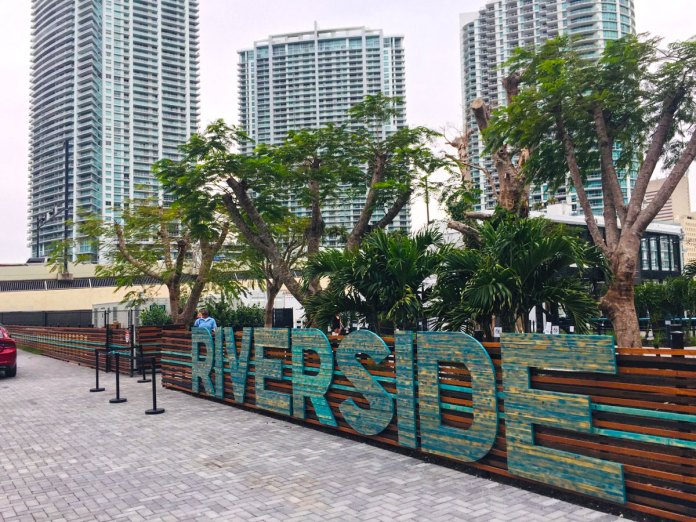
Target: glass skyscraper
x=487, y=39
x=118, y=81
x=310, y=79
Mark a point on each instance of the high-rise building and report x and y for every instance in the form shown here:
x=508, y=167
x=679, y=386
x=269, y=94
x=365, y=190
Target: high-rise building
x=487, y=39
x=117, y=81
x=310, y=79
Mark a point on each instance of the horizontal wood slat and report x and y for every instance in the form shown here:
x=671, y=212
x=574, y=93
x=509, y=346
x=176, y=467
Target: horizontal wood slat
x=651, y=401
x=77, y=345
x=643, y=417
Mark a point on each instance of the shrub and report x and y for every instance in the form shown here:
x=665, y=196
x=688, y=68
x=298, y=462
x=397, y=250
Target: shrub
x=226, y=314
x=156, y=315
x=248, y=316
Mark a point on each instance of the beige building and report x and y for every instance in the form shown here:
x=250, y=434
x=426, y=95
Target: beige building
x=679, y=203
x=677, y=209
x=32, y=287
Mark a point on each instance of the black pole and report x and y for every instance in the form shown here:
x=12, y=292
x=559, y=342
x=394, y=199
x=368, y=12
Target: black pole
x=142, y=364
x=96, y=369
x=118, y=399
x=131, y=338
x=132, y=360
x=155, y=410
x=65, y=207
x=38, y=234
x=107, y=340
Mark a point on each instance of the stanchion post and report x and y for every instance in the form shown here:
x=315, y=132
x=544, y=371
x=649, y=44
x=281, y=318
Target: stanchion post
x=118, y=399
x=107, y=340
x=131, y=338
x=142, y=365
x=96, y=388
x=155, y=410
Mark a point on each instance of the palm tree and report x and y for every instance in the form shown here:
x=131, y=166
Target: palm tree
x=521, y=263
x=690, y=270
x=382, y=282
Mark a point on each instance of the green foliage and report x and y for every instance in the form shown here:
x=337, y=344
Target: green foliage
x=231, y=314
x=651, y=301
x=521, y=263
x=381, y=283
x=658, y=339
x=57, y=252
x=156, y=315
x=690, y=270
x=312, y=168
x=248, y=316
x=673, y=298
x=630, y=84
x=575, y=114
x=153, y=245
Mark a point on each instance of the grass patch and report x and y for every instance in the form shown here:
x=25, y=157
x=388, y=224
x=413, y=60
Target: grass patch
x=35, y=351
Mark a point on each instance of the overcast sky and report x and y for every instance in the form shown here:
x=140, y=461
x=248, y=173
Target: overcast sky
x=432, y=67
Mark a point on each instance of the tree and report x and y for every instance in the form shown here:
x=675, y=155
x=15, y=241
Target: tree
x=520, y=264
x=509, y=185
x=652, y=301
x=161, y=244
x=690, y=270
x=381, y=282
x=155, y=315
x=626, y=112
x=292, y=245
x=311, y=168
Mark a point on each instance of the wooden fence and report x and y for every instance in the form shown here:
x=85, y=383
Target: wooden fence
x=77, y=345
x=643, y=417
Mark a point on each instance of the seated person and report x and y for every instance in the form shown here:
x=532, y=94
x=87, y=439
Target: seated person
x=205, y=321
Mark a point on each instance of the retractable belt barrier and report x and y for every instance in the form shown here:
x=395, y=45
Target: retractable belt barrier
x=117, y=355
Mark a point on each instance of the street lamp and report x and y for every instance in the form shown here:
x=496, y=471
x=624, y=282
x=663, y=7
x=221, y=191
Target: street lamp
x=41, y=220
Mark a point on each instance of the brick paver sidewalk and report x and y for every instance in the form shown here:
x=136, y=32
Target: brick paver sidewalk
x=67, y=454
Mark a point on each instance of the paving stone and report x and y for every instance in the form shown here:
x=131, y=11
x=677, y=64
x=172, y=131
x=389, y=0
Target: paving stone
x=68, y=454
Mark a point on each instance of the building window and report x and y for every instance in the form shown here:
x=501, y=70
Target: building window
x=645, y=254
x=653, y=254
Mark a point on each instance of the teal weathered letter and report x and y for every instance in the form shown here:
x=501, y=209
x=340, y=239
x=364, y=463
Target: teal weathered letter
x=378, y=417
x=467, y=445
x=525, y=407
x=200, y=370
x=239, y=363
x=312, y=386
x=405, y=389
x=270, y=368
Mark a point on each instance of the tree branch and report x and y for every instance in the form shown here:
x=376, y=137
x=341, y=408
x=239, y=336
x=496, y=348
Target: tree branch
x=575, y=175
x=611, y=180
x=166, y=240
x=653, y=153
x=316, y=225
x=265, y=244
x=389, y=216
x=461, y=143
x=254, y=239
x=123, y=248
x=482, y=113
x=646, y=216
x=464, y=229
x=363, y=222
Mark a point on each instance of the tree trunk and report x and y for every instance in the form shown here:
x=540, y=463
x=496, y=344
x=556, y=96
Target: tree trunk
x=174, y=300
x=272, y=289
x=618, y=303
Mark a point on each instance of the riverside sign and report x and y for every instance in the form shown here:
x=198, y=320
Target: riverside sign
x=524, y=406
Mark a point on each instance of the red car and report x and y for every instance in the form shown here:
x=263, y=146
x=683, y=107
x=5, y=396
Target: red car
x=8, y=354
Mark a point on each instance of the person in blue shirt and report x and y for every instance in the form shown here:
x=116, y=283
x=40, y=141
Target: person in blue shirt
x=205, y=321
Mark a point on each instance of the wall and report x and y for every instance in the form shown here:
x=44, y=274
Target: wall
x=614, y=425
